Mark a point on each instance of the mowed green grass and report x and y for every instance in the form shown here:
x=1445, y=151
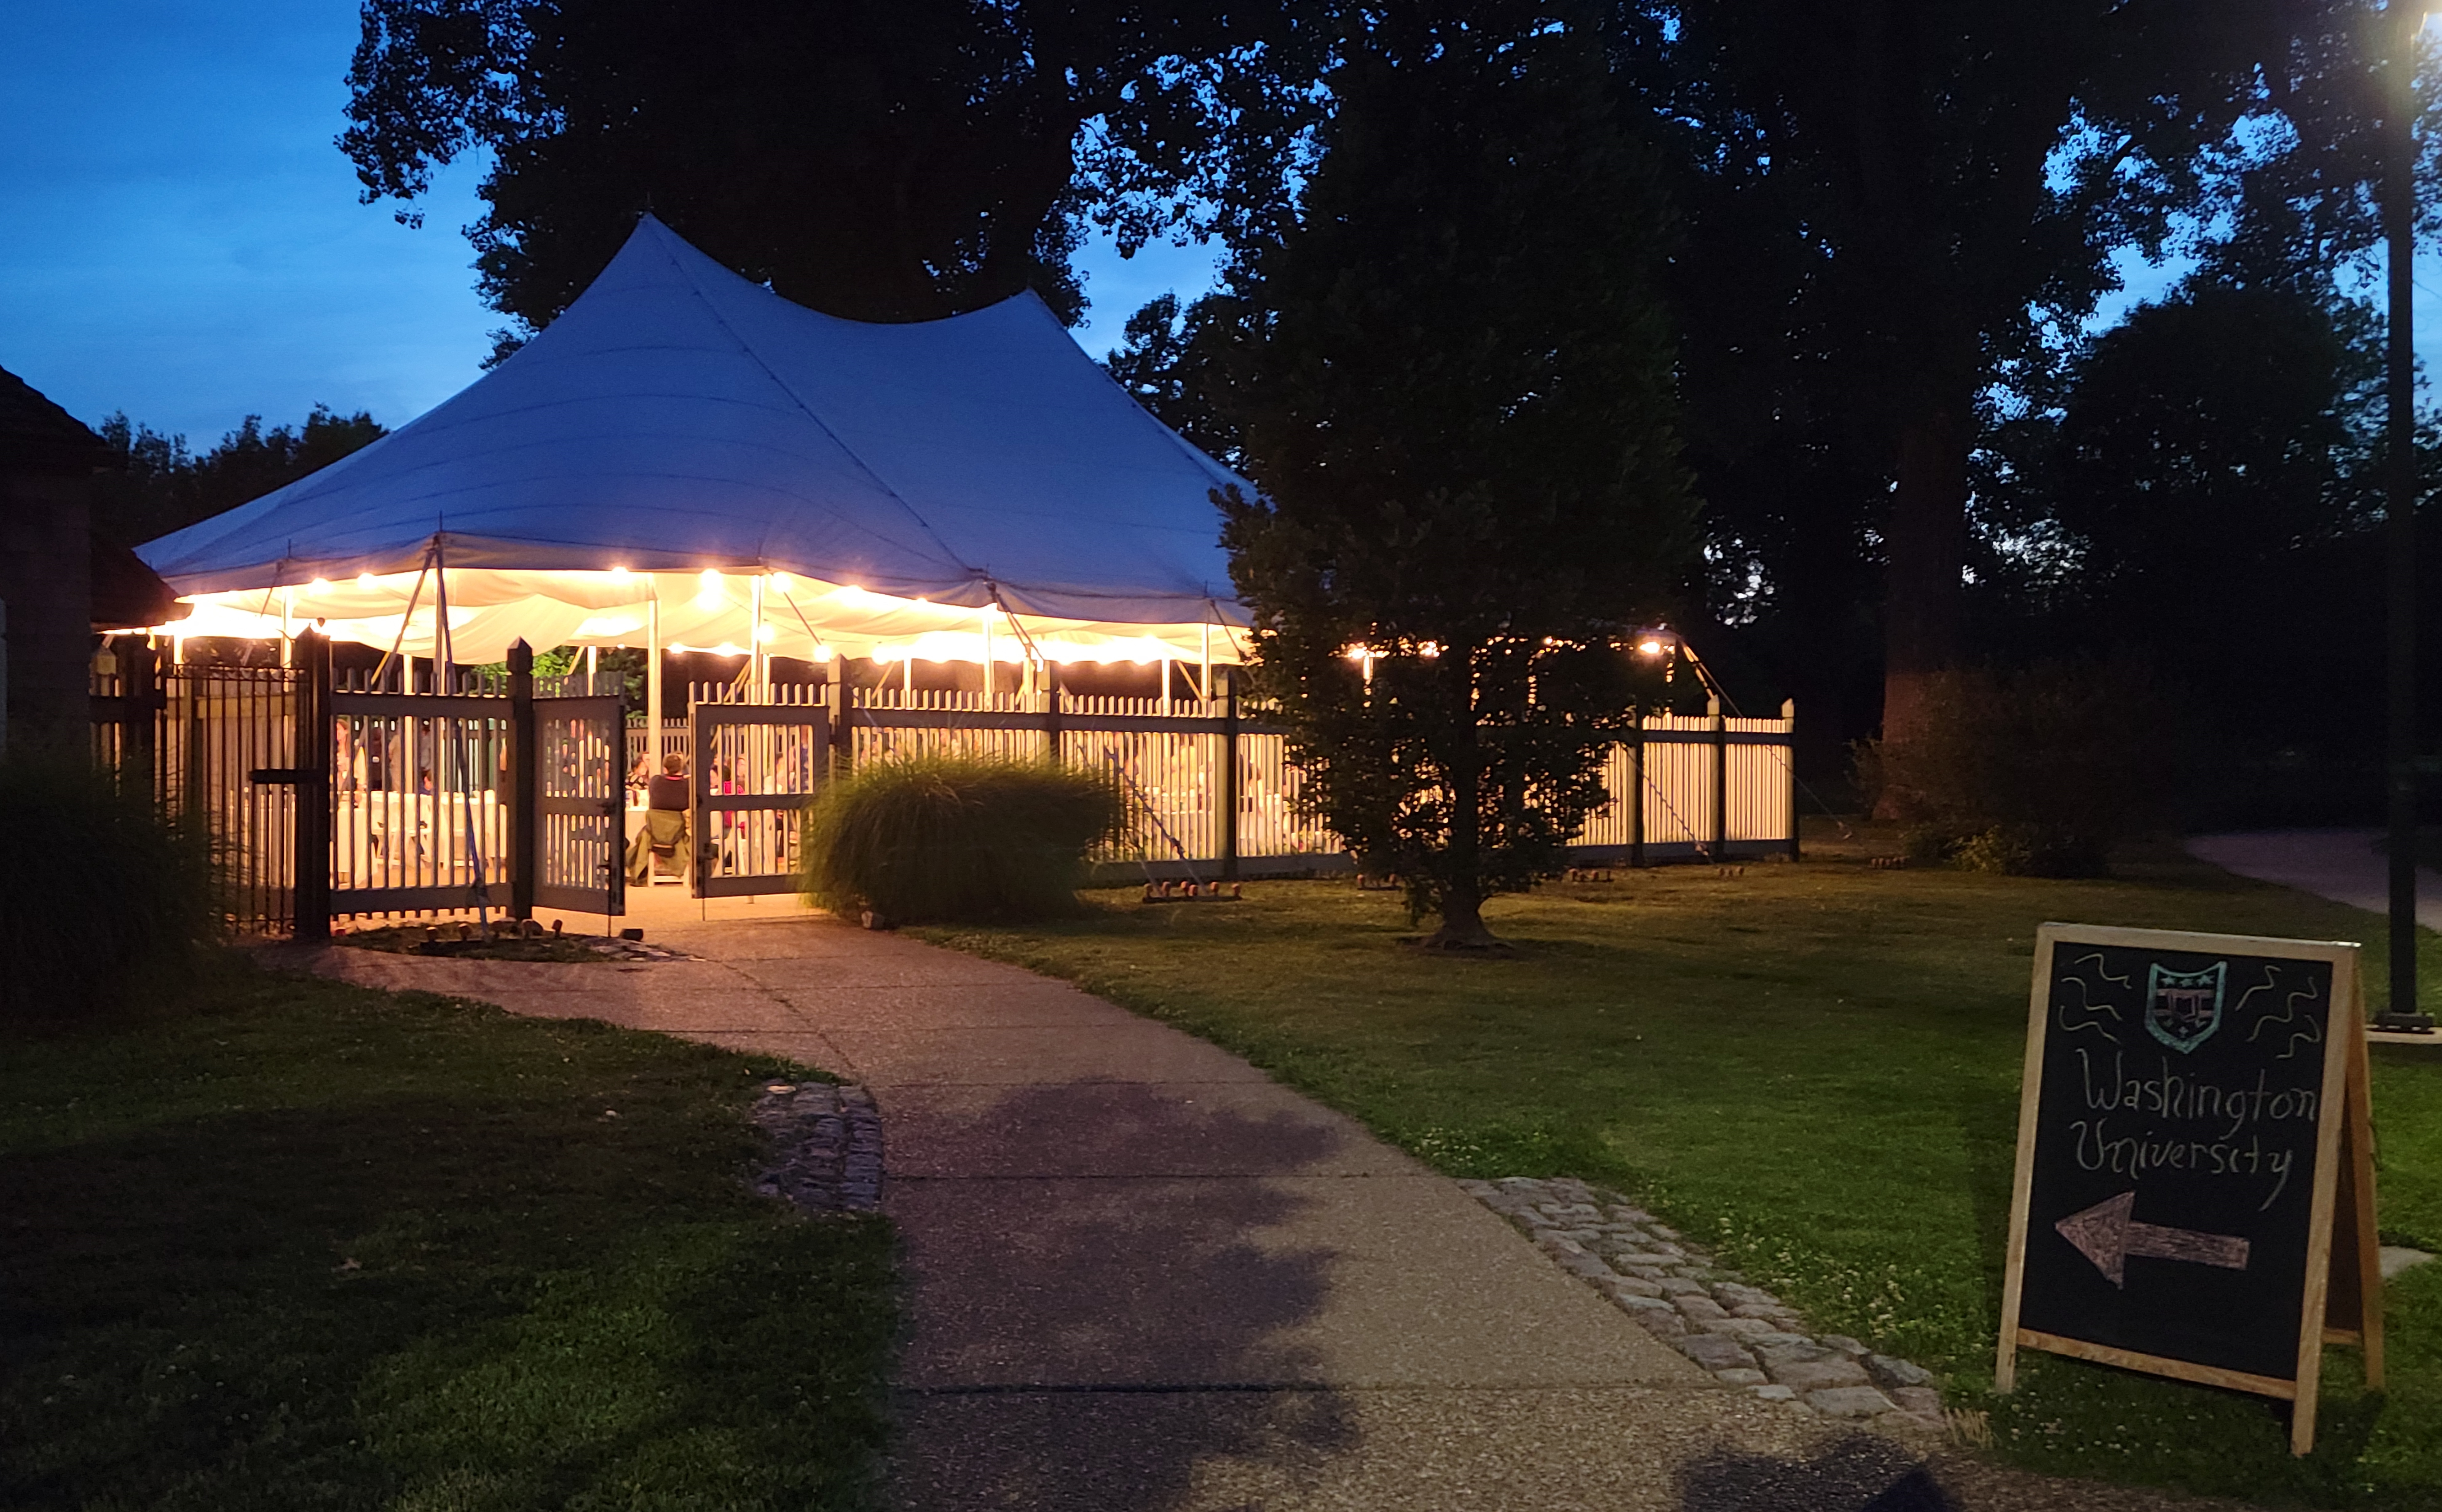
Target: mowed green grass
x=1815, y=1069
x=297, y=1245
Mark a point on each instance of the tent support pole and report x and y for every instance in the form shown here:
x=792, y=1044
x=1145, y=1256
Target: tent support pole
x=757, y=680
x=653, y=681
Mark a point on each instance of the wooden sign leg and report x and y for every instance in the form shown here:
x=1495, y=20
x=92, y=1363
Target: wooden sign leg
x=2031, y=1080
x=2357, y=1171
x=2346, y=1025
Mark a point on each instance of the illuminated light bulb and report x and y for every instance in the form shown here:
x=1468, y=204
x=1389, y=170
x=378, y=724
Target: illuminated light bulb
x=1649, y=648
x=822, y=654
x=709, y=579
x=365, y=581
x=781, y=581
x=762, y=632
x=319, y=585
x=618, y=575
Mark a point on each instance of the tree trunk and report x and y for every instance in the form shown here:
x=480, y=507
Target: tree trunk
x=1462, y=924
x=1462, y=910
x=1926, y=546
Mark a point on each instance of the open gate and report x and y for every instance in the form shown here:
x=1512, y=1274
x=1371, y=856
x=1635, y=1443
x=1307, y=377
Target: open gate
x=420, y=820
x=752, y=768
x=577, y=842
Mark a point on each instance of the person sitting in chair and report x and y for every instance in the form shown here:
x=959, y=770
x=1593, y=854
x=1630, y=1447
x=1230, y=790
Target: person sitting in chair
x=665, y=836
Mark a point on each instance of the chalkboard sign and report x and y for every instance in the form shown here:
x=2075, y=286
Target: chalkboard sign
x=2194, y=1113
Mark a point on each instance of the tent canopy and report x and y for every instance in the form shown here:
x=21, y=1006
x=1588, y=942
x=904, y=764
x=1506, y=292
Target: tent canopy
x=680, y=434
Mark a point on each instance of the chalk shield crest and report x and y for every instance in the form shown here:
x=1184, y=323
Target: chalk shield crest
x=2183, y=1008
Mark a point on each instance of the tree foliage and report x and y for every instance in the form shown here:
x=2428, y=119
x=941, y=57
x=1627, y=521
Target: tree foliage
x=1898, y=208
x=880, y=161
x=1453, y=386
x=159, y=487
x=1176, y=363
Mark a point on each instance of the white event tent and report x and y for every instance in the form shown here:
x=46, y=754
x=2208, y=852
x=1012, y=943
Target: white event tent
x=686, y=460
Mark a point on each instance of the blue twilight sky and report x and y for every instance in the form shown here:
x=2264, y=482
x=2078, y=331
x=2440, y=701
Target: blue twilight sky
x=180, y=239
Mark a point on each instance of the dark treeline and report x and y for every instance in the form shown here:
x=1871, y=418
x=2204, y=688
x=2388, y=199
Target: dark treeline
x=1888, y=229
x=158, y=485
x=1915, y=444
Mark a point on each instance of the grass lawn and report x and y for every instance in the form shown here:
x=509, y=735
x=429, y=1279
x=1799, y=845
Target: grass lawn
x=1815, y=1069
x=305, y=1246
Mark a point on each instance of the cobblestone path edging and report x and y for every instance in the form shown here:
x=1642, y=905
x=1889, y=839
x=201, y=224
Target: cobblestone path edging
x=824, y=1146
x=1746, y=1335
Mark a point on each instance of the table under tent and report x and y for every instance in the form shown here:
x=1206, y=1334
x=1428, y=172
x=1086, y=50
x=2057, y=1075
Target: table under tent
x=890, y=537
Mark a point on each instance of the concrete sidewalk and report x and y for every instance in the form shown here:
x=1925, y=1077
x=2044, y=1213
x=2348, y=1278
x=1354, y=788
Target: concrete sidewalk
x=2341, y=864
x=1142, y=1275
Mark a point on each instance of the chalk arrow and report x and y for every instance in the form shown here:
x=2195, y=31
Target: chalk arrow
x=2106, y=1234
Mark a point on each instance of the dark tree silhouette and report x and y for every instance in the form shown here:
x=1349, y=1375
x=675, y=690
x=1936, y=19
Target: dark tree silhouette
x=158, y=486
x=882, y=161
x=1454, y=389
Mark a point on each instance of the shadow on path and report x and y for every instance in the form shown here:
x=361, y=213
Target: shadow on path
x=1854, y=1474
x=1086, y=1340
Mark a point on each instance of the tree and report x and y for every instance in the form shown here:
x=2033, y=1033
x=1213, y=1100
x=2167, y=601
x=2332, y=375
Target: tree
x=880, y=161
x=158, y=487
x=1455, y=394
x=1919, y=193
x=2215, y=473
x=1175, y=364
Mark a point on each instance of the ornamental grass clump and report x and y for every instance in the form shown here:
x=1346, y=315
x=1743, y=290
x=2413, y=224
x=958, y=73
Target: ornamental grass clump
x=104, y=901
x=952, y=838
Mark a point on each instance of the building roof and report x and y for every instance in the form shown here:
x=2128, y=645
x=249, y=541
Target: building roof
x=38, y=436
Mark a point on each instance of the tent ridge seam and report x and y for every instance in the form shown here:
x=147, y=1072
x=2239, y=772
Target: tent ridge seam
x=798, y=399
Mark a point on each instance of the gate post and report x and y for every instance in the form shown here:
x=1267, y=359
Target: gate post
x=525, y=816
x=1636, y=793
x=842, y=755
x=1230, y=776
x=1720, y=784
x=315, y=736
x=1051, y=733
x=1789, y=712
x=139, y=707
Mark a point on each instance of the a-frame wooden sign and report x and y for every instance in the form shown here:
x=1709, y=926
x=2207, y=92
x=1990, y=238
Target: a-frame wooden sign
x=2195, y=1191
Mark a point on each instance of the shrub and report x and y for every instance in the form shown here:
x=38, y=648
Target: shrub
x=2036, y=773
x=103, y=901
x=954, y=838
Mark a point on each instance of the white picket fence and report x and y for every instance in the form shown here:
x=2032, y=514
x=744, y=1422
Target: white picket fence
x=1209, y=792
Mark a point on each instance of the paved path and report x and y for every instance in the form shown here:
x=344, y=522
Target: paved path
x=1142, y=1275
x=2341, y=864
